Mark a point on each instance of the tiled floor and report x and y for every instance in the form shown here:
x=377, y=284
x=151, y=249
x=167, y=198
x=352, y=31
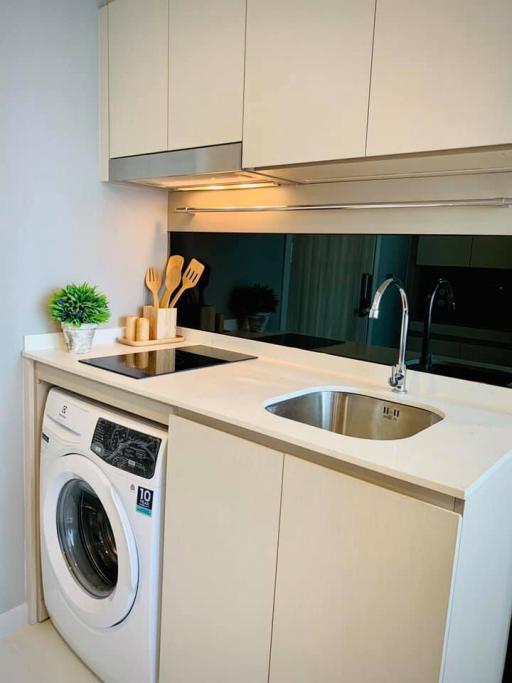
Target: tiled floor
x=37, y=654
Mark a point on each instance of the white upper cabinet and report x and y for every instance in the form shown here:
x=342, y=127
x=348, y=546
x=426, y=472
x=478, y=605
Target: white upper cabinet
x=307, y=79
x=206, y=74
x=138, y=76
x=441, y=76
x=176, y=74
x=304, y=81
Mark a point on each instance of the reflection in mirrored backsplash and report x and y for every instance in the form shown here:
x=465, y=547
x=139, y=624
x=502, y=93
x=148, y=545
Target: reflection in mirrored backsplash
x=313, y=292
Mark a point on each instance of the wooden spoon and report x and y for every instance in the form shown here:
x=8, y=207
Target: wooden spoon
x=190, y=279
x=153, y=282
x=172, y=278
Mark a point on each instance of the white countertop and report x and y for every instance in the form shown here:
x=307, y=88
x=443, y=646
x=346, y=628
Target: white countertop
x=452, y=457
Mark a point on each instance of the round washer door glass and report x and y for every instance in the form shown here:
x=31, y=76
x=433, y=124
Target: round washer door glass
x=86, y=538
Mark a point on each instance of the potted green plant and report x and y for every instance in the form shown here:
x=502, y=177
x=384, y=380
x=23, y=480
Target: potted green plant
x=255, y=305
x=79, y=309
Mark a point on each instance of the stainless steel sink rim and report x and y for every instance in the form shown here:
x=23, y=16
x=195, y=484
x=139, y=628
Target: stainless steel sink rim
x=355, y=414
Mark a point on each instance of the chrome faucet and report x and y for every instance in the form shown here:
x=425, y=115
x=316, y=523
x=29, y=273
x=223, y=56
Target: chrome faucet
x=426, y=351
x=398, y=371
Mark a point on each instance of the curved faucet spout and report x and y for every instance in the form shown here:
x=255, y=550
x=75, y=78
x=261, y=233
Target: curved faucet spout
x=426, y=350
x=398, y=371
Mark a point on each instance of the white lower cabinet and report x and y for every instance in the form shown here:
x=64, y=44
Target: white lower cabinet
x=363, y=581
x=279, y=570
x=220, y=544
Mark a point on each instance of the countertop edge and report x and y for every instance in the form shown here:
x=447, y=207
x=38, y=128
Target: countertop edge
x=278, y=437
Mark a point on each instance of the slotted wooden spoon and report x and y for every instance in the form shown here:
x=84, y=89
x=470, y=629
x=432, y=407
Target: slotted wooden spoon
x=190, y=279
x=172, y=278
x=153, y=282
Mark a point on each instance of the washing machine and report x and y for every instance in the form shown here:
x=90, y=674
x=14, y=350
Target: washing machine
x=102, y=486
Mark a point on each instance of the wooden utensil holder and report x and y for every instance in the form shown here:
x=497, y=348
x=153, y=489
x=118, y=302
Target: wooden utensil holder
x=162, y=322
x=165, y=323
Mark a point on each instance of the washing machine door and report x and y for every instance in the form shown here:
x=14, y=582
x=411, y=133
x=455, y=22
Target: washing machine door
x=89, y=541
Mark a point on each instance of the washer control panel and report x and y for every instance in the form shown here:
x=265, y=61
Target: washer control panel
x=126, y=448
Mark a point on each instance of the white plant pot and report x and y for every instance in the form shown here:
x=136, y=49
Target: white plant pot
x=258, y=321
x=79, y=339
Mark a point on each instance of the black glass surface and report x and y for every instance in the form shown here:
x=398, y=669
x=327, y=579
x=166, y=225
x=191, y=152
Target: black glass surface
x=125, y=448
x=142, y=364
x=314, y=291
x=473, y=373
x=299, y=341
x=86, y=538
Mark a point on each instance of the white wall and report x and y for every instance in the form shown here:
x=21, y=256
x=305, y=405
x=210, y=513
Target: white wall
x=57, y=222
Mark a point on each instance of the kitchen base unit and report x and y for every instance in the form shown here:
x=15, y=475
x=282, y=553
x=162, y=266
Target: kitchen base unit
x=370, y=584
x=293, y=554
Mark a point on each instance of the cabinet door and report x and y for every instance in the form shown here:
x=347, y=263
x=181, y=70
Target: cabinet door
x=220, y=545
x=441, y=75
x=444, y=250
x=363, y=581
x=491, y=252
x=206, y=75
x=138, y=76
x=307, y=78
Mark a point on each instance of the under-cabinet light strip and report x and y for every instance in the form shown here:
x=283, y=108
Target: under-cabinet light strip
x=497, y=201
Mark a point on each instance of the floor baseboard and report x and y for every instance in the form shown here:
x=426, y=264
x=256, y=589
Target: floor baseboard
x=12, y=620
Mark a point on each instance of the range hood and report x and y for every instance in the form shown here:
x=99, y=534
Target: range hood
x=219, y=167
x=214, y=168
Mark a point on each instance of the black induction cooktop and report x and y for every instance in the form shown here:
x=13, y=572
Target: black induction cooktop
x=141, y=364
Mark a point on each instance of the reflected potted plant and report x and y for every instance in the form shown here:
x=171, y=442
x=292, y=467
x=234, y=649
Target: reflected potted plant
x=254, y=304
x=79, y=309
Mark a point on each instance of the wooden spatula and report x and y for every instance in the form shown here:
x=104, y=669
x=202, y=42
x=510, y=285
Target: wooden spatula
x=190, y=279
x=172, y=278
x=153, y=282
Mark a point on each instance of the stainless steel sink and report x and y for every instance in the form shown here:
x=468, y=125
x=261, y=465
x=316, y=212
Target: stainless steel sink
x=364, y=417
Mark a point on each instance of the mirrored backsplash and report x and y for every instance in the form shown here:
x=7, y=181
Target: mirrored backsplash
x=313, y=292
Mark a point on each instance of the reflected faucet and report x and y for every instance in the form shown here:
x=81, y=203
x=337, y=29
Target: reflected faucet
x=426, y=351
x=398, y=371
